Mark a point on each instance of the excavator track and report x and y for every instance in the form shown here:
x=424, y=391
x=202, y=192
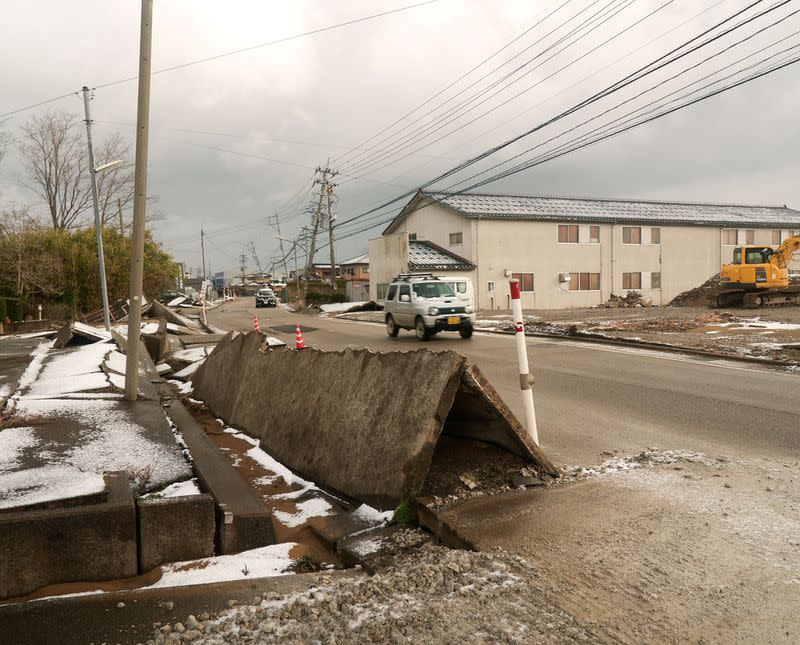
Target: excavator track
x=754, y=299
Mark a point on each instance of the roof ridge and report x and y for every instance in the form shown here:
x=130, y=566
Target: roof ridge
x=625, y=200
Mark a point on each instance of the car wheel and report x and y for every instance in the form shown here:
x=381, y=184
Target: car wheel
x=466, y=332
x=422, y=330
x=391, y=327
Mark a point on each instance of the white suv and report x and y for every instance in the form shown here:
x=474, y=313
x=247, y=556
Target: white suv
x=426, y=304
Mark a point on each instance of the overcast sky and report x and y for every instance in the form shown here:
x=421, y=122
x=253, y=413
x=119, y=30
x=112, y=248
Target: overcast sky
x=302, y=101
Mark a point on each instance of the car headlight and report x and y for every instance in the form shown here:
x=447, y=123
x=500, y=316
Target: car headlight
x=432, y=311
x=469, y=309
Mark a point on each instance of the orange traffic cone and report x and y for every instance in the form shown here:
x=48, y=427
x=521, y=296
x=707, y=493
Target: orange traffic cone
x=256, y=324
x=299, y=338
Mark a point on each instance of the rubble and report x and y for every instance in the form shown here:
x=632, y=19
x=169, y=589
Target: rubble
x=431, y=594
x=630, y=299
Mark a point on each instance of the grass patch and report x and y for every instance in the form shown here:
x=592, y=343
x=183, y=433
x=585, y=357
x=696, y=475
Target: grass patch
x=308, y=563
x=405, y=513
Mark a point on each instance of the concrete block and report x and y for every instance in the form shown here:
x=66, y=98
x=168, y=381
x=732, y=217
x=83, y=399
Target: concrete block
x=76, y=543
x=174, y=529
x=361, y=423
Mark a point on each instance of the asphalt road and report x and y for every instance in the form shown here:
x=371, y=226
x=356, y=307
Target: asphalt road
x=592, y=398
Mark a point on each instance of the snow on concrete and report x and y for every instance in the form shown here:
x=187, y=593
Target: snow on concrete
x=178, y=489
x=46, y=484
x=644, y=459
x=89, y=329
x=74, y=370
x=268, y=462
x=145, y=328
x=33, y=334
x=315, y=507
x=111, y=440
x=176, y=301
x=758, y=323
x=366, y=512
x=31, y=372
x=273, y=560
x=116, y=362
x=13, y=441
x=340, y=307
x=193, y=354
x=187, y=371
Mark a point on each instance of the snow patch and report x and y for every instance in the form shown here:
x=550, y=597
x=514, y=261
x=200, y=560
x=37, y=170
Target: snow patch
x=178, y=489
x=13, y=441
x=369, y=514
x=47, y=484
x=315, y=507
x=266, y=561
x=340, y=307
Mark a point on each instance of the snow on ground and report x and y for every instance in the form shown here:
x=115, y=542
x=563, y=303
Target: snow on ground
x=111, y=440
x=314, y=507
x=75, y=370
x=262, y=458
x=758, y=323
x=46, y=484
x=31, y=372
x=176, y=301
x=89, y=329
x=178, y=489
x=146, y=328
x=33, y=334
x=266, y=561
x=116, y=362
x=12, y=443
x=644, y=459
x=340, y=307
x=187, y=371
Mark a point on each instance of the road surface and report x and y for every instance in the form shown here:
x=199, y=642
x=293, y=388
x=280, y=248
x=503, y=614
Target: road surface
x=593, y=398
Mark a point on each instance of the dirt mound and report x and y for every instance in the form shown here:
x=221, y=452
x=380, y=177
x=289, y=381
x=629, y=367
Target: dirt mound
x=697, y=296
x=367, y=306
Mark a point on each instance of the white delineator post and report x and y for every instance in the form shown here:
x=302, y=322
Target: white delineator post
x=525, y=378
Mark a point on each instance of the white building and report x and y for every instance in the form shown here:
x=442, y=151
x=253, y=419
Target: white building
x=570, y=252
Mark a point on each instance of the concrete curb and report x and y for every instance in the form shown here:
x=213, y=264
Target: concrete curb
x=99, y=618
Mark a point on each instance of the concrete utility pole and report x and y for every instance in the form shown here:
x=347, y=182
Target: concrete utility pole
x=139, y=203
x=331, y=220
x=243, y=266
x=203, y=251
x=283, y=254
x=119, y=212
x=323, y=182
x=98, y=225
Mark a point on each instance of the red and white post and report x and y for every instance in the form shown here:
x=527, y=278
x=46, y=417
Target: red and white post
x=525, y=377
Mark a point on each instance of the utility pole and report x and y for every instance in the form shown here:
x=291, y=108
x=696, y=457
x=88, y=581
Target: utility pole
x=255, y=257
x=323, y=182
x=119, y=212
x=98, y=225
x=139, y=203
x=280, y=239
x=243, y=266
x=203, y=251
x=331, y=220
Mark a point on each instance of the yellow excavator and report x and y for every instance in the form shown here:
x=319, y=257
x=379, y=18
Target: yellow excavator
x=758, y=277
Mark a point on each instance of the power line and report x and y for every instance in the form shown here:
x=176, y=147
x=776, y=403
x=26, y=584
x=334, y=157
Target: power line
x=432, y=124
x=231, y=53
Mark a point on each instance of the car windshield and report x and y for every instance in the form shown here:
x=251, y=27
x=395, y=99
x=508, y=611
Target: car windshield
x=433, y=290
x=265, y=292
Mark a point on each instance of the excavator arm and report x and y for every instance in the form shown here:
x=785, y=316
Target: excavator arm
x=783, y=255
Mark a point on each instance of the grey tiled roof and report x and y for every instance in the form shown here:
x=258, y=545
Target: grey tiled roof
x=532, y=207
x=427, y=255
x=360, y=259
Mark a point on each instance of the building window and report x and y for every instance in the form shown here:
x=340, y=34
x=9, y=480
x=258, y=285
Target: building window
x=490, y=286
x=456, y=239
x=655, y=280
x=594, y=235
x=776, y=236
x=632, y=280
x=584, y=281
x=730, y=236
x=412, y=237
x=655, y=235
x=631, y=234
x=525, y=281
x=366, y=269
x=749, y=236
x=568, y=233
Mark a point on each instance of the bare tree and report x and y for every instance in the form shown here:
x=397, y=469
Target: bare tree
x=56, y=162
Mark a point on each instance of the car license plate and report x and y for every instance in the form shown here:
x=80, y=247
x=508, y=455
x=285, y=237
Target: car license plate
x=453, y=320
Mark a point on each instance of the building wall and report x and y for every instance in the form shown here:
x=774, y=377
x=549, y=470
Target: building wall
x=685, y=257
x=388, y=256
x=359, y=271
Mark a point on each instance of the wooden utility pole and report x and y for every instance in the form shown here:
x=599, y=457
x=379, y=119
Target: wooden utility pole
x=139, y=203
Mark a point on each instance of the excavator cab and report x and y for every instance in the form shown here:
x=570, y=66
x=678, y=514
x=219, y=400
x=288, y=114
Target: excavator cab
x=752, y=269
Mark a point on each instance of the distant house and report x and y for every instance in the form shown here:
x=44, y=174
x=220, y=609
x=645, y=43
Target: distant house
x=570, y=252
x=355, y=272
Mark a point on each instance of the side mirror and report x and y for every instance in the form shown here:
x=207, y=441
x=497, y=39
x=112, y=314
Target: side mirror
x=405, y=298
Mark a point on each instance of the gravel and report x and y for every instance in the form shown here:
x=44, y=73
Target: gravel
x=432, y=594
